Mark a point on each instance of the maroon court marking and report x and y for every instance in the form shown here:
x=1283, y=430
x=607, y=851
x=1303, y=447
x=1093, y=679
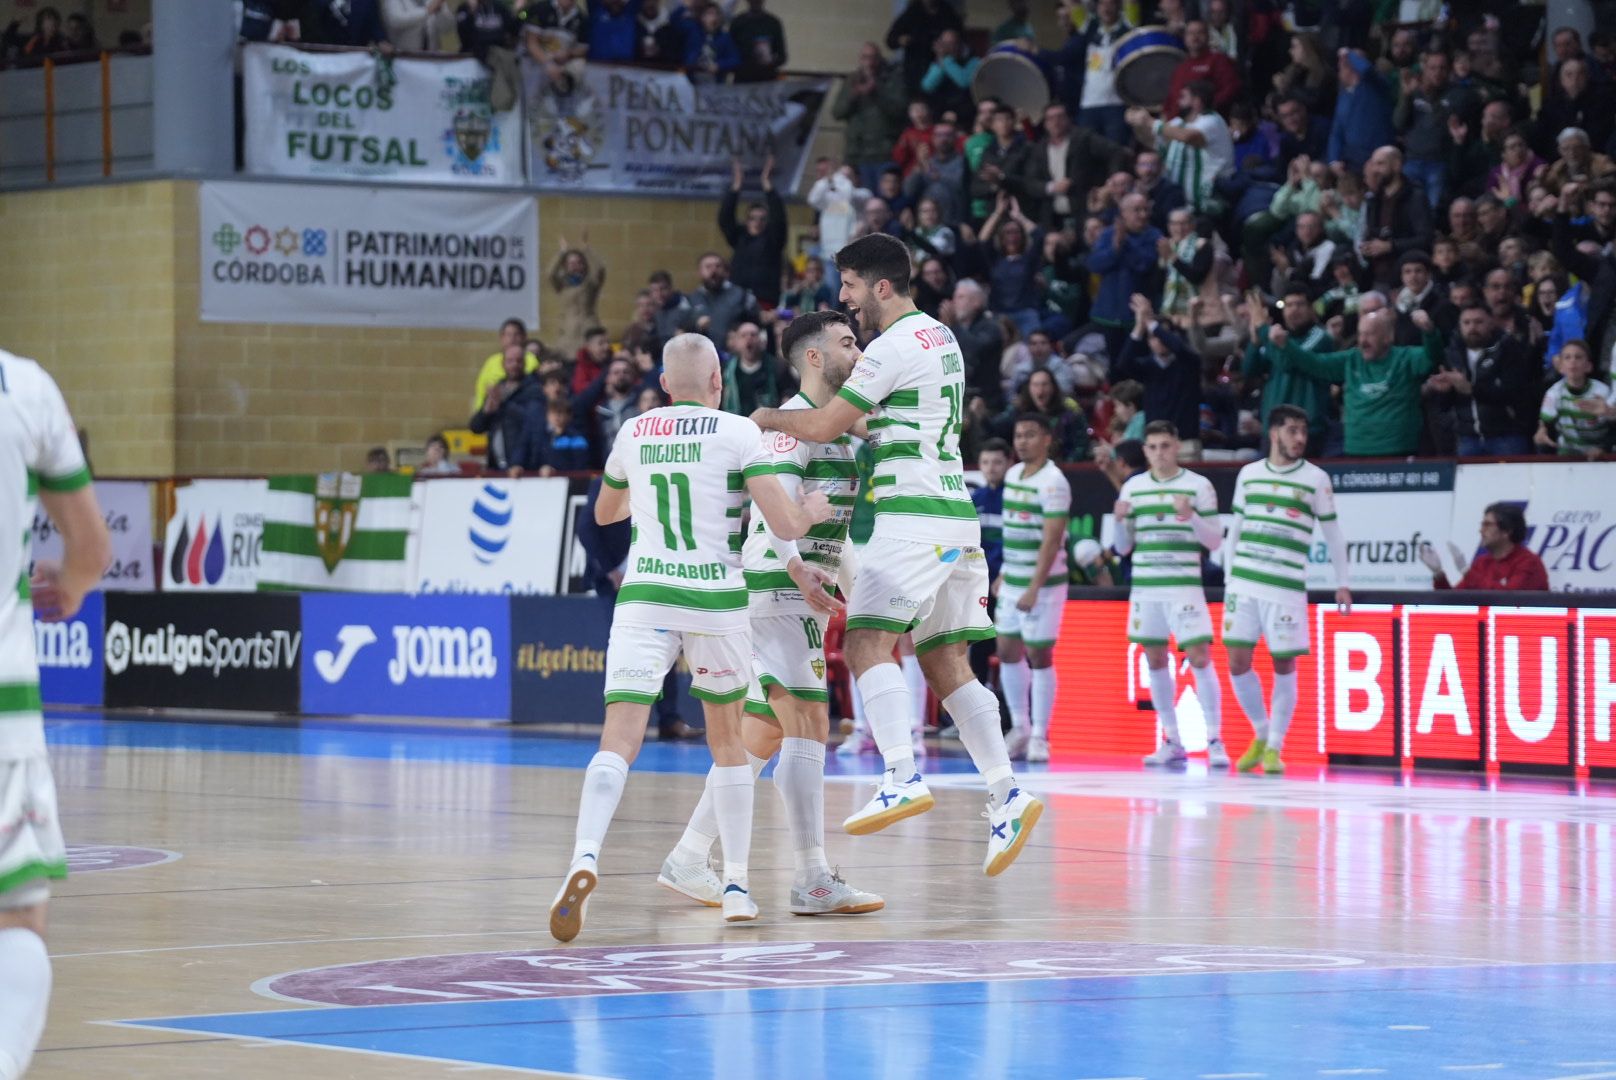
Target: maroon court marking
x=631, y=969
x=90, y=859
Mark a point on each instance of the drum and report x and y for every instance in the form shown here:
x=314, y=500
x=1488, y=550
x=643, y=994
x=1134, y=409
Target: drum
x=1011, y=74
x=1143, y=65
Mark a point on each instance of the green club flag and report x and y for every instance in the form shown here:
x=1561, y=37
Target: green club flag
x=336, y=531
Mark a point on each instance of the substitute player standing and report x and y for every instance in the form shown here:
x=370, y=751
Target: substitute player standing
x=1037, y=505
x=1165, y=516
x=788, y=709
x=1277, y=501
x=41, y=456
x=923, y=569
x=681, y=473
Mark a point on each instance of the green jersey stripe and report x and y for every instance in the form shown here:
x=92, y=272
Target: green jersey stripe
x=1261, y=578
x=70, y=482
x=847, y=393
x=649, y=592
x=902, y=399
x=927, y=506
x=19, y=697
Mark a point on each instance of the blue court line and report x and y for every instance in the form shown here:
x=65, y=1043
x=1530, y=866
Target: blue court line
x=1402, y=1022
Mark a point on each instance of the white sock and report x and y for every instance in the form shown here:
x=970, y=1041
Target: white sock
x=1209, y=692
x=1284, y=708
x=915, y=679
x=800, y=778
x=1248, y=692
x=861, y=722
x=1043, y=700
x=1162, y=687
x=732, y=806
x=975, y=710
x=702, y=832
x=886, y=702
x=24, y=996
x=1014, y=681
x=603, y=787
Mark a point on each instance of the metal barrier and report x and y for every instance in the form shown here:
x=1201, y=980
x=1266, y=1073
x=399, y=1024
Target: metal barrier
x=79, y=117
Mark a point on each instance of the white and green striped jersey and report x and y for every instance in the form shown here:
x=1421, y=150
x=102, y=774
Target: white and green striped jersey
x=1575, y=428
x=913, y=378
x=685, y=467
x=41, y=449
x=1166, y=554
x=1029, y=501
x=1277, y=509
x=805, y=466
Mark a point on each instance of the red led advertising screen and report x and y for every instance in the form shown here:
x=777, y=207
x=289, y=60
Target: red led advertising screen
x=1532, y=687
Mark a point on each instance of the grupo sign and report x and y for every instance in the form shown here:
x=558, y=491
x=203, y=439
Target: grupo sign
x=346, y=255
x=356, y=115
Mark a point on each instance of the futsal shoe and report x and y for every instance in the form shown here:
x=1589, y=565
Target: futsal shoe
x=893, y=801
x=828, y=894
x=1169, y=755
x=567, y=913
x=859, y=742
x=1009, y=826
x=1217, y=755
x=1271, y=763
x=1037, y=750
x=695, y=880
x=738, y=905
x=1015, y=743
x=1253, y=756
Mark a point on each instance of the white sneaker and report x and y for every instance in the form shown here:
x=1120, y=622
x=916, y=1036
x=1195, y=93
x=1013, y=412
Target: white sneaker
x=1168, y=755
x=1217, y=755
x=828, y=894
x=738, y=905
x=698, y=881
x=1037, y=749
x=1015, y=742
x=855, y=744
x=567, y=911
x=893, y=801
x=1008, y=828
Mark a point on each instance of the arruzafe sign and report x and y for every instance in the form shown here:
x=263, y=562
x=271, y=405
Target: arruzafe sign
x=360, y=116
x=350, y=255
x=126, y=504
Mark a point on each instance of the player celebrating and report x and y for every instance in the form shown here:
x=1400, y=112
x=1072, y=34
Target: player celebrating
x=681, y=473
x=1165, y=516
x=1037, y=504
x=42, y=454
x=788, y=710
x=1276, y=503
x=924, y=569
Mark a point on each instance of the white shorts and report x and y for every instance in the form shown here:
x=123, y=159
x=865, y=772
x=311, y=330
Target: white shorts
x=31, y=847
x=1150, y=622
x=939, y=593
x=638, y=659
x=788, y=651
x=1039, y=627
x=1282, y=623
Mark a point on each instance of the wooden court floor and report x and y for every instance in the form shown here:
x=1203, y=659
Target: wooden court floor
x=366, y=901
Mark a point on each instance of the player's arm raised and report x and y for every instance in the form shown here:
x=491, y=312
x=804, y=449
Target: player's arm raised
x=86, y=549
x=784, y=516
x=823, y=424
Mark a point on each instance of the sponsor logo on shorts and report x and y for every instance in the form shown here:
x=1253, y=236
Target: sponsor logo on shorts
x=722, y=673
x=904, y=602
x=947, y=555
x=633, y=673
x=819, y=668
x=982, y=601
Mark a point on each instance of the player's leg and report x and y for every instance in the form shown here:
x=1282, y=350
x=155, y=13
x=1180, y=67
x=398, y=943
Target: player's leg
x=916, y=682
x=1015, y=677
x=1242, y=627
x=722, y=666
x=1163, y=680
x=1192, y=627
x=1039, y=631
x=1285, y=626
x=636, y=660
x=31, y=853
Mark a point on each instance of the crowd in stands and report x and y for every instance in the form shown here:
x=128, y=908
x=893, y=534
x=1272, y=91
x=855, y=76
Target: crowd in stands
x=54, y=37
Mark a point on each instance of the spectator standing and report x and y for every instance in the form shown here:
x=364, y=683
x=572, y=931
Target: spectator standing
x=508, y=409
x=1042, y=396
x=614, y=31
x=839, y=199
x=1003, y=158
x=591, y=358
x=1160, y=359
x=1164, y=194
x=947, y=82
x=1306, y=258
x=417, y=25
x=641, y=332
x=1307, y=79
x=673, y=312
x=753, y=377
x=1577, y=101
x=343, y=22
x=870, y=105
x=1018, y=25
x=1363, y=113
x=1504, y=562
x=710, y=53
x=1380, y=382
x=907, y=150
x=1482, y=394
x=1517, y=170
x=920, y=24
x=1578, y=411
x=719, y=303
x=1088, y=83
x=1419, y=292
x=486, y=24
x=980, y=340
x=1195, y=145
x=1124, y=257
x=811, y=292
x=1421, y=115
x=760, y=38
x=607, y=402
x=760, y=244
x=1060, y=170
x=940, y=177
x=47, y=39
x=576, y=276
x=1202, y=63
x=1396, y=218
x=1012, y=247
x=511, y=332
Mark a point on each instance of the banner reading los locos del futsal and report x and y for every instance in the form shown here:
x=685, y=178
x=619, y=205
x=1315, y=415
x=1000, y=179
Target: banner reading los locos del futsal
x=360, y=116
x=639, y=130
x=347, y=255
